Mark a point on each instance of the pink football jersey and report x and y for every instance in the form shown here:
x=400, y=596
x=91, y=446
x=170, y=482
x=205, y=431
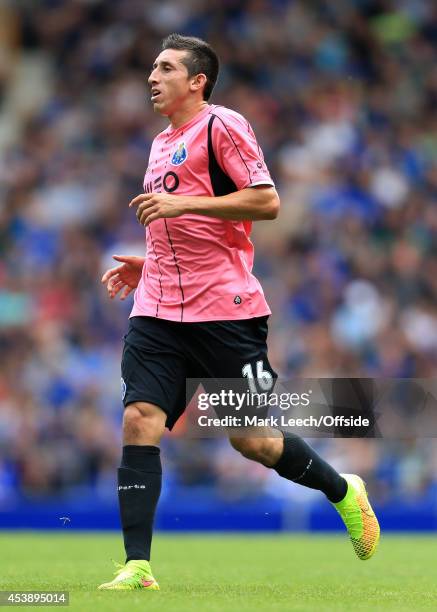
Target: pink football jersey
x=199, y=268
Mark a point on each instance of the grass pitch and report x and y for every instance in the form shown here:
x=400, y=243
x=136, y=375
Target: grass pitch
x=227, y=573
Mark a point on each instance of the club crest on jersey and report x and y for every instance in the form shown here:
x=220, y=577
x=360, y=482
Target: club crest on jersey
x=180, y=155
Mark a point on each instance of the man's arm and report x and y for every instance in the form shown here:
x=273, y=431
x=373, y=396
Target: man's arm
x=251, y=204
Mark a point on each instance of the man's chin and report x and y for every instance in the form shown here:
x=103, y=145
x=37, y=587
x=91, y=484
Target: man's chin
x=160, y=108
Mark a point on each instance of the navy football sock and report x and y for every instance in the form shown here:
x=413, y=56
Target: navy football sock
x=301, y=464
x=139, y=487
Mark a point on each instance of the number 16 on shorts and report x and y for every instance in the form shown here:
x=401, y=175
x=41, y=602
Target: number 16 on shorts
x=263, y=378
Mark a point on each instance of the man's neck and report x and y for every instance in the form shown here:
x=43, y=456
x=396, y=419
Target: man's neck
x=185, y=115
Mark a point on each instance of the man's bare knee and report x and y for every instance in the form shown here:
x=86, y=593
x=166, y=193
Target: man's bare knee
x=264, y=450
x=248, y=447
x=143, y=424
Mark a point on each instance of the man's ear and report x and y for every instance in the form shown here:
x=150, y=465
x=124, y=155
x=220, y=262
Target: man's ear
x=198, y=82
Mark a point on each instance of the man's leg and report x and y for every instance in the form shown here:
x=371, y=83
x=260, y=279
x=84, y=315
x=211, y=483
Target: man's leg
x=295, y=460
x=139, y=476
x=139, y=487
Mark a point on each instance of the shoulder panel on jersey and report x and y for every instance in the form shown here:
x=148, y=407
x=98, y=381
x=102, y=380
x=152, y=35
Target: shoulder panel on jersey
x=221, y=183
x=223, y=113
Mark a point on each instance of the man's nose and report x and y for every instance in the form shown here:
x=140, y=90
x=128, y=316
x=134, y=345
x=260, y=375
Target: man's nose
x=152, y=80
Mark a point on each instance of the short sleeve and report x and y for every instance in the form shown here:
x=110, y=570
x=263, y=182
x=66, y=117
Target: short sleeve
x=237, y=151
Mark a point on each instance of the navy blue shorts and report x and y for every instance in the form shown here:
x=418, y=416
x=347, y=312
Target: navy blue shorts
x=159, y=355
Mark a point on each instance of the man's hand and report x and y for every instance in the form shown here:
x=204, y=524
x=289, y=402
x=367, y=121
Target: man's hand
x=125, y=277
x=151, y=206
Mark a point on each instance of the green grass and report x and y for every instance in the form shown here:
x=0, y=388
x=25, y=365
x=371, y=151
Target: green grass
x=231, y=573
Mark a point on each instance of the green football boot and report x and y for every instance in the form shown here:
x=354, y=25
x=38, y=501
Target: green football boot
x=359, y=518
x=136, y=574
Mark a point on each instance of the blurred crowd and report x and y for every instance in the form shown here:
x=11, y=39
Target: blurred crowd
x=342, y=97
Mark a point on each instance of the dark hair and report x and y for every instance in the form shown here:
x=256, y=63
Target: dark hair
x=201, y=59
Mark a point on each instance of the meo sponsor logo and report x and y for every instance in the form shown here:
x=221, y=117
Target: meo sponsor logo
x=170, y=182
